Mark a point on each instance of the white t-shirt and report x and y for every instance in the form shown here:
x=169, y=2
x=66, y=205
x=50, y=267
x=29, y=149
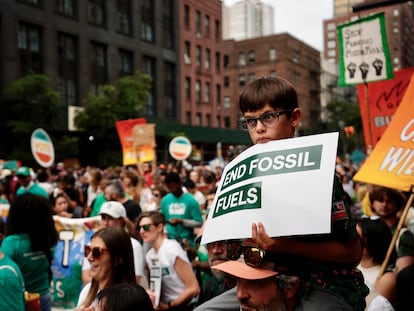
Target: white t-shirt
x=138, y=259
x=171, y=284
x=82, y=296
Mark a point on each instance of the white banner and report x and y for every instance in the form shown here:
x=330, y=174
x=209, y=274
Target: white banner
x=285, y=184
x=363, y=50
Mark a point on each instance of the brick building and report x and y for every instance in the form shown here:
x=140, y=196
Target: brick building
x=276, y=55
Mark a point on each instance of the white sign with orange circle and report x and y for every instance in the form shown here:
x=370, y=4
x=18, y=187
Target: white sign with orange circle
x=42, y=148
x=180, y=148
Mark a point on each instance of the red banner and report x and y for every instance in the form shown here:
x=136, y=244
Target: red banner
x=384, y=97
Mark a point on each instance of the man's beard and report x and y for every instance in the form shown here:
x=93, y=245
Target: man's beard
x=276, y=304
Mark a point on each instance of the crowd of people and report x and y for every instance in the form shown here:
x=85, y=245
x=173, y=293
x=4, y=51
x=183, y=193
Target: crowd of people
x=147, y=253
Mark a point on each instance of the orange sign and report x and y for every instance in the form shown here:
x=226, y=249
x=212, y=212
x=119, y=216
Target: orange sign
x=384, y=98
x=391, y=163
x=126, y=136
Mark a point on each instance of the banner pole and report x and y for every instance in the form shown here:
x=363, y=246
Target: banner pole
x=370, y=143
x=396, y=235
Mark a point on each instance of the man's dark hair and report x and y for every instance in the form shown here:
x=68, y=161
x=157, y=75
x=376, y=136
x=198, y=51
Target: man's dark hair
x=172, y=177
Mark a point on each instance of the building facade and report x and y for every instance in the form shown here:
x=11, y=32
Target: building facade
x=277, y=55
x=247, y=19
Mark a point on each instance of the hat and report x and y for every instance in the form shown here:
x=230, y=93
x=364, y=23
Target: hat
x=242, y=270
x=23, y=171
x=113, y=209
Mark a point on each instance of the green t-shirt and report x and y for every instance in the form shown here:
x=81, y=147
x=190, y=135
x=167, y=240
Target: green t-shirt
x=33, y=265
x=97, y=204
x=184, y=207
x=12, y=286
x=34, y=189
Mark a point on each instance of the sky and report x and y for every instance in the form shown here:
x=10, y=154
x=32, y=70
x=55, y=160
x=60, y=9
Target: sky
x=301, y=18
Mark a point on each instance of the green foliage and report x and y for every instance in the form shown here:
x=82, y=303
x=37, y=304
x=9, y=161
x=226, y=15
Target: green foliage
x=124, y=100
x=32, y=104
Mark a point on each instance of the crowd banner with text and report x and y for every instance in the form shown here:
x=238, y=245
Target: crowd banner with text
x=363, y=51
x=74, y=234
x=391, y=163
x=144, y=142
x=273, y=183
x=384, y=99
x=126, y=136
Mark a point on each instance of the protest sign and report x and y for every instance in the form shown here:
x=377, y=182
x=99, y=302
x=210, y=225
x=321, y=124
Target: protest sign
x=126, y=136
x=144, y=142
x=363, y=51
x=384, y=99
x=74, y=234
x=42, y=148
x=391, y=163
x=285, y=184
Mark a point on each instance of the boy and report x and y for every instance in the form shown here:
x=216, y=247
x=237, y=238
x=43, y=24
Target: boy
x=271, y=112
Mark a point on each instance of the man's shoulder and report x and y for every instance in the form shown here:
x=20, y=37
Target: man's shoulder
x=226, y=301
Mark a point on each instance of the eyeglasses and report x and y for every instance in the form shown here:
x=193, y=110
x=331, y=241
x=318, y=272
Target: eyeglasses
x=146, y=227
x=253, y=256
x=97, y=252
x=268, y=119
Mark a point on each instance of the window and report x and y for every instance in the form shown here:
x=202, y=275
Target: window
x=207, y=25
x=218, y=62
x=242, y=59
x=96, y=12
x=208, y=59
x=226, y=102
x=123, y=18
x=149, y=69
x=331, y=26
x=198, y=91
x=272, y=73
x=188, y=117
x=251, y=76
x=186, y=15
x=218, y=94
x=67, y=69
x=198, y=22
x=99, y=65
x=208, y=120
x=168, y=25
x=331, y=44
x=198, y=119
x=126, y=63
x=66, y=7
x=226, y=81
x=169, y=89
x=242, y=80
x=252, y=57
x=147, y=20
x=188, y=87
x=198, y=56
x=217, y=30
x=207, y=93
x=226, y=62
x=30, y=48
x=187, y=52
x=296, y=56
x=218, y=121
x=226, y=122
x=272, y=54
x=331, y=35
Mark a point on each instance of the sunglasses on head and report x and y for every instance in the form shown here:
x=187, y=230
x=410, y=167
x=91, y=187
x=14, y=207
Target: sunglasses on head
x=253, y=255
x=146, y=227
x=96, y=252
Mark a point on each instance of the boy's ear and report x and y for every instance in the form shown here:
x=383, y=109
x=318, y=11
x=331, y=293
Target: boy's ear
x=296, y=117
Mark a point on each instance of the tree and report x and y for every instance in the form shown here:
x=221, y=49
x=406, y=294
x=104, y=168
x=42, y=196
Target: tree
x=126, y=99
x=31, y=104
x=341, y=116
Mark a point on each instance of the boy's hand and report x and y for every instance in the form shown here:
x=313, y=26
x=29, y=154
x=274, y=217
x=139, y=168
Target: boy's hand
x=263, y=240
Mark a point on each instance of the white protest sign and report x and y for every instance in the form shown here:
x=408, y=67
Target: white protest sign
x=363, y=49
x=285, y=184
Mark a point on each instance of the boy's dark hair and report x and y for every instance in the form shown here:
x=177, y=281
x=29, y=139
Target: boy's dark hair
x=275, y=91
x=380, y=193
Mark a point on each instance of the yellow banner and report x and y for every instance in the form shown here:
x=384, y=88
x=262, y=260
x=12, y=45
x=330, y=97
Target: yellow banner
x=391, y=163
